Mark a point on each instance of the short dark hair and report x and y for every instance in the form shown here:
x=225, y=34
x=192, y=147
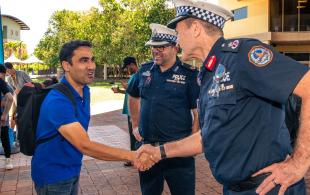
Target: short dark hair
x=68, y=48
x=8, y=65
x=128, y=60
x=2, y=69
x=210, y=29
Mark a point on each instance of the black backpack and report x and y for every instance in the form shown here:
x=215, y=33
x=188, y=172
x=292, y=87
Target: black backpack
x=292, y=116
x=29, y=101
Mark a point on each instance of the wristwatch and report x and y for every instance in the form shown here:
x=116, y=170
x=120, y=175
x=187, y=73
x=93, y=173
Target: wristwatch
x=162, y=152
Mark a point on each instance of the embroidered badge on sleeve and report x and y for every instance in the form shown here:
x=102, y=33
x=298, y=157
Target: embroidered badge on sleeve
x=260, y=56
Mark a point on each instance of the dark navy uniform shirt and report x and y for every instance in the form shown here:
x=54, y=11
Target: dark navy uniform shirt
x=166, y=100
x=244, y=84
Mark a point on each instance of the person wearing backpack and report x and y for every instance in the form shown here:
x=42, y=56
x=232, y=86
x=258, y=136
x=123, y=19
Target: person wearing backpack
x=56, y=163
x=16, y=80
x=7, y=100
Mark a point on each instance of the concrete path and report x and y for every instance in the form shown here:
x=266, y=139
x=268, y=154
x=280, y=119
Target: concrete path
x=99, y=177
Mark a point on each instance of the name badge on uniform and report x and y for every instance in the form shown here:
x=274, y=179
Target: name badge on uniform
x=176, y=78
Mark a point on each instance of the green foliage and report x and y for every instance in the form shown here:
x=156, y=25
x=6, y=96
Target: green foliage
x=120, y=29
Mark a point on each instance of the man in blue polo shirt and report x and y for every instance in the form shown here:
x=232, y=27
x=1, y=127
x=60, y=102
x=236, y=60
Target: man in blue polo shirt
x=168, y=92
x=244, y=87
x=56, y=164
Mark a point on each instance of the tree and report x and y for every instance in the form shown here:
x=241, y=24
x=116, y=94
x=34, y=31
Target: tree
x=18, y=48
x=121, y=29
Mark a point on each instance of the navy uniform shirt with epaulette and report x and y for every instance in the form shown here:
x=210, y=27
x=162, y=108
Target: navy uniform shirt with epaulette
x=244, y=84
x=166, y=100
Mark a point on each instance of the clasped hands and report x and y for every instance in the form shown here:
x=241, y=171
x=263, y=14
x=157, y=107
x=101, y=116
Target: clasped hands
x=145, y=157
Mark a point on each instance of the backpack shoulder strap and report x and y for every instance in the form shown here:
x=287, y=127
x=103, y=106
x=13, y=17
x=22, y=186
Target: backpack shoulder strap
x=64, y=89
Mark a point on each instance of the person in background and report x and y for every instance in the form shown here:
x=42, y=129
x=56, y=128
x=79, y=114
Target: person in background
x=16, y=79
x=130, y=64
x=50, y=81
x=6, y=103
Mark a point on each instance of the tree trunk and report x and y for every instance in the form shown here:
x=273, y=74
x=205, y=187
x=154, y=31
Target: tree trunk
x=105, y=72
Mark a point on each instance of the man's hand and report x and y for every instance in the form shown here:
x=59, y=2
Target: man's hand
x=115, y=89
x=136, y=133
x=142, y=162
x=124, y=84
x=3, y=119
x=285, y=174
x=154, y=152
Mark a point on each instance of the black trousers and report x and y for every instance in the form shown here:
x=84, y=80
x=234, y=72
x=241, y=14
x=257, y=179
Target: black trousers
x=5, y=140
x=179, y=173
x=132, y=137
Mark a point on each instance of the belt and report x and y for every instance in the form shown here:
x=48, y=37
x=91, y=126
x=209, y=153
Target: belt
x=249, y=184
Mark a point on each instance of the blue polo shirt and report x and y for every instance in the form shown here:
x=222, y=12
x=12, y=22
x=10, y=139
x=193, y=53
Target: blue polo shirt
x=58, y=160
x=166, y=101
x=245, y=85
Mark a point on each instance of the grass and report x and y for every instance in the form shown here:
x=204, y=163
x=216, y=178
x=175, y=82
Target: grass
x=100, y=91
x=103, y=93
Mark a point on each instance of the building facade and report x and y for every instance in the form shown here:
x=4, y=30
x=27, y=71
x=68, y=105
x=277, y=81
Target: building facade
x=285, y=24
x=11, y=27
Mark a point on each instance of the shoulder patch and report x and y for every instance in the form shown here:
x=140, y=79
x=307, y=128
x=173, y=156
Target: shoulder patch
x=231, y=45
x=260, y=56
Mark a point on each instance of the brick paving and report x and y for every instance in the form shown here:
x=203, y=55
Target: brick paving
x=100, y=177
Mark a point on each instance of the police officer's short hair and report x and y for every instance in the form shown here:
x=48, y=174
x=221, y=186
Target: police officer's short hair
x=68, y=48
x=210, y=29
x=2, y=69
x=8, y=65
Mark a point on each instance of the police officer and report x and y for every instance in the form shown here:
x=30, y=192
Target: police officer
x=166, y=91
x=244, y=86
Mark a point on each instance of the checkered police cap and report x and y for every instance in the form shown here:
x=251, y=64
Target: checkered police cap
x=202, y=10
x=161, y=35
x=164, y=37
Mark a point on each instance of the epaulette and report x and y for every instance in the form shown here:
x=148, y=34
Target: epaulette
x=189, y=67
x=231, y=45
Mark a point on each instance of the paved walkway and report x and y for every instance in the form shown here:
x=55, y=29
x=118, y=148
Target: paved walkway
x=99, y=177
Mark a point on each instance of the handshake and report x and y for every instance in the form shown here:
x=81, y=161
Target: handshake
x=145, y=157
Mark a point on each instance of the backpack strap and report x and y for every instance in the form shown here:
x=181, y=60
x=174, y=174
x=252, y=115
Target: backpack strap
x=64, y=89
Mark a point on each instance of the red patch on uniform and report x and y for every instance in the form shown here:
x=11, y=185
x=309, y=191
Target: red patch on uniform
x=211, y=63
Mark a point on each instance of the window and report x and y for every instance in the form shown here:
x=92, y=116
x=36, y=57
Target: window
x=240, y=13
x=5, y=32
